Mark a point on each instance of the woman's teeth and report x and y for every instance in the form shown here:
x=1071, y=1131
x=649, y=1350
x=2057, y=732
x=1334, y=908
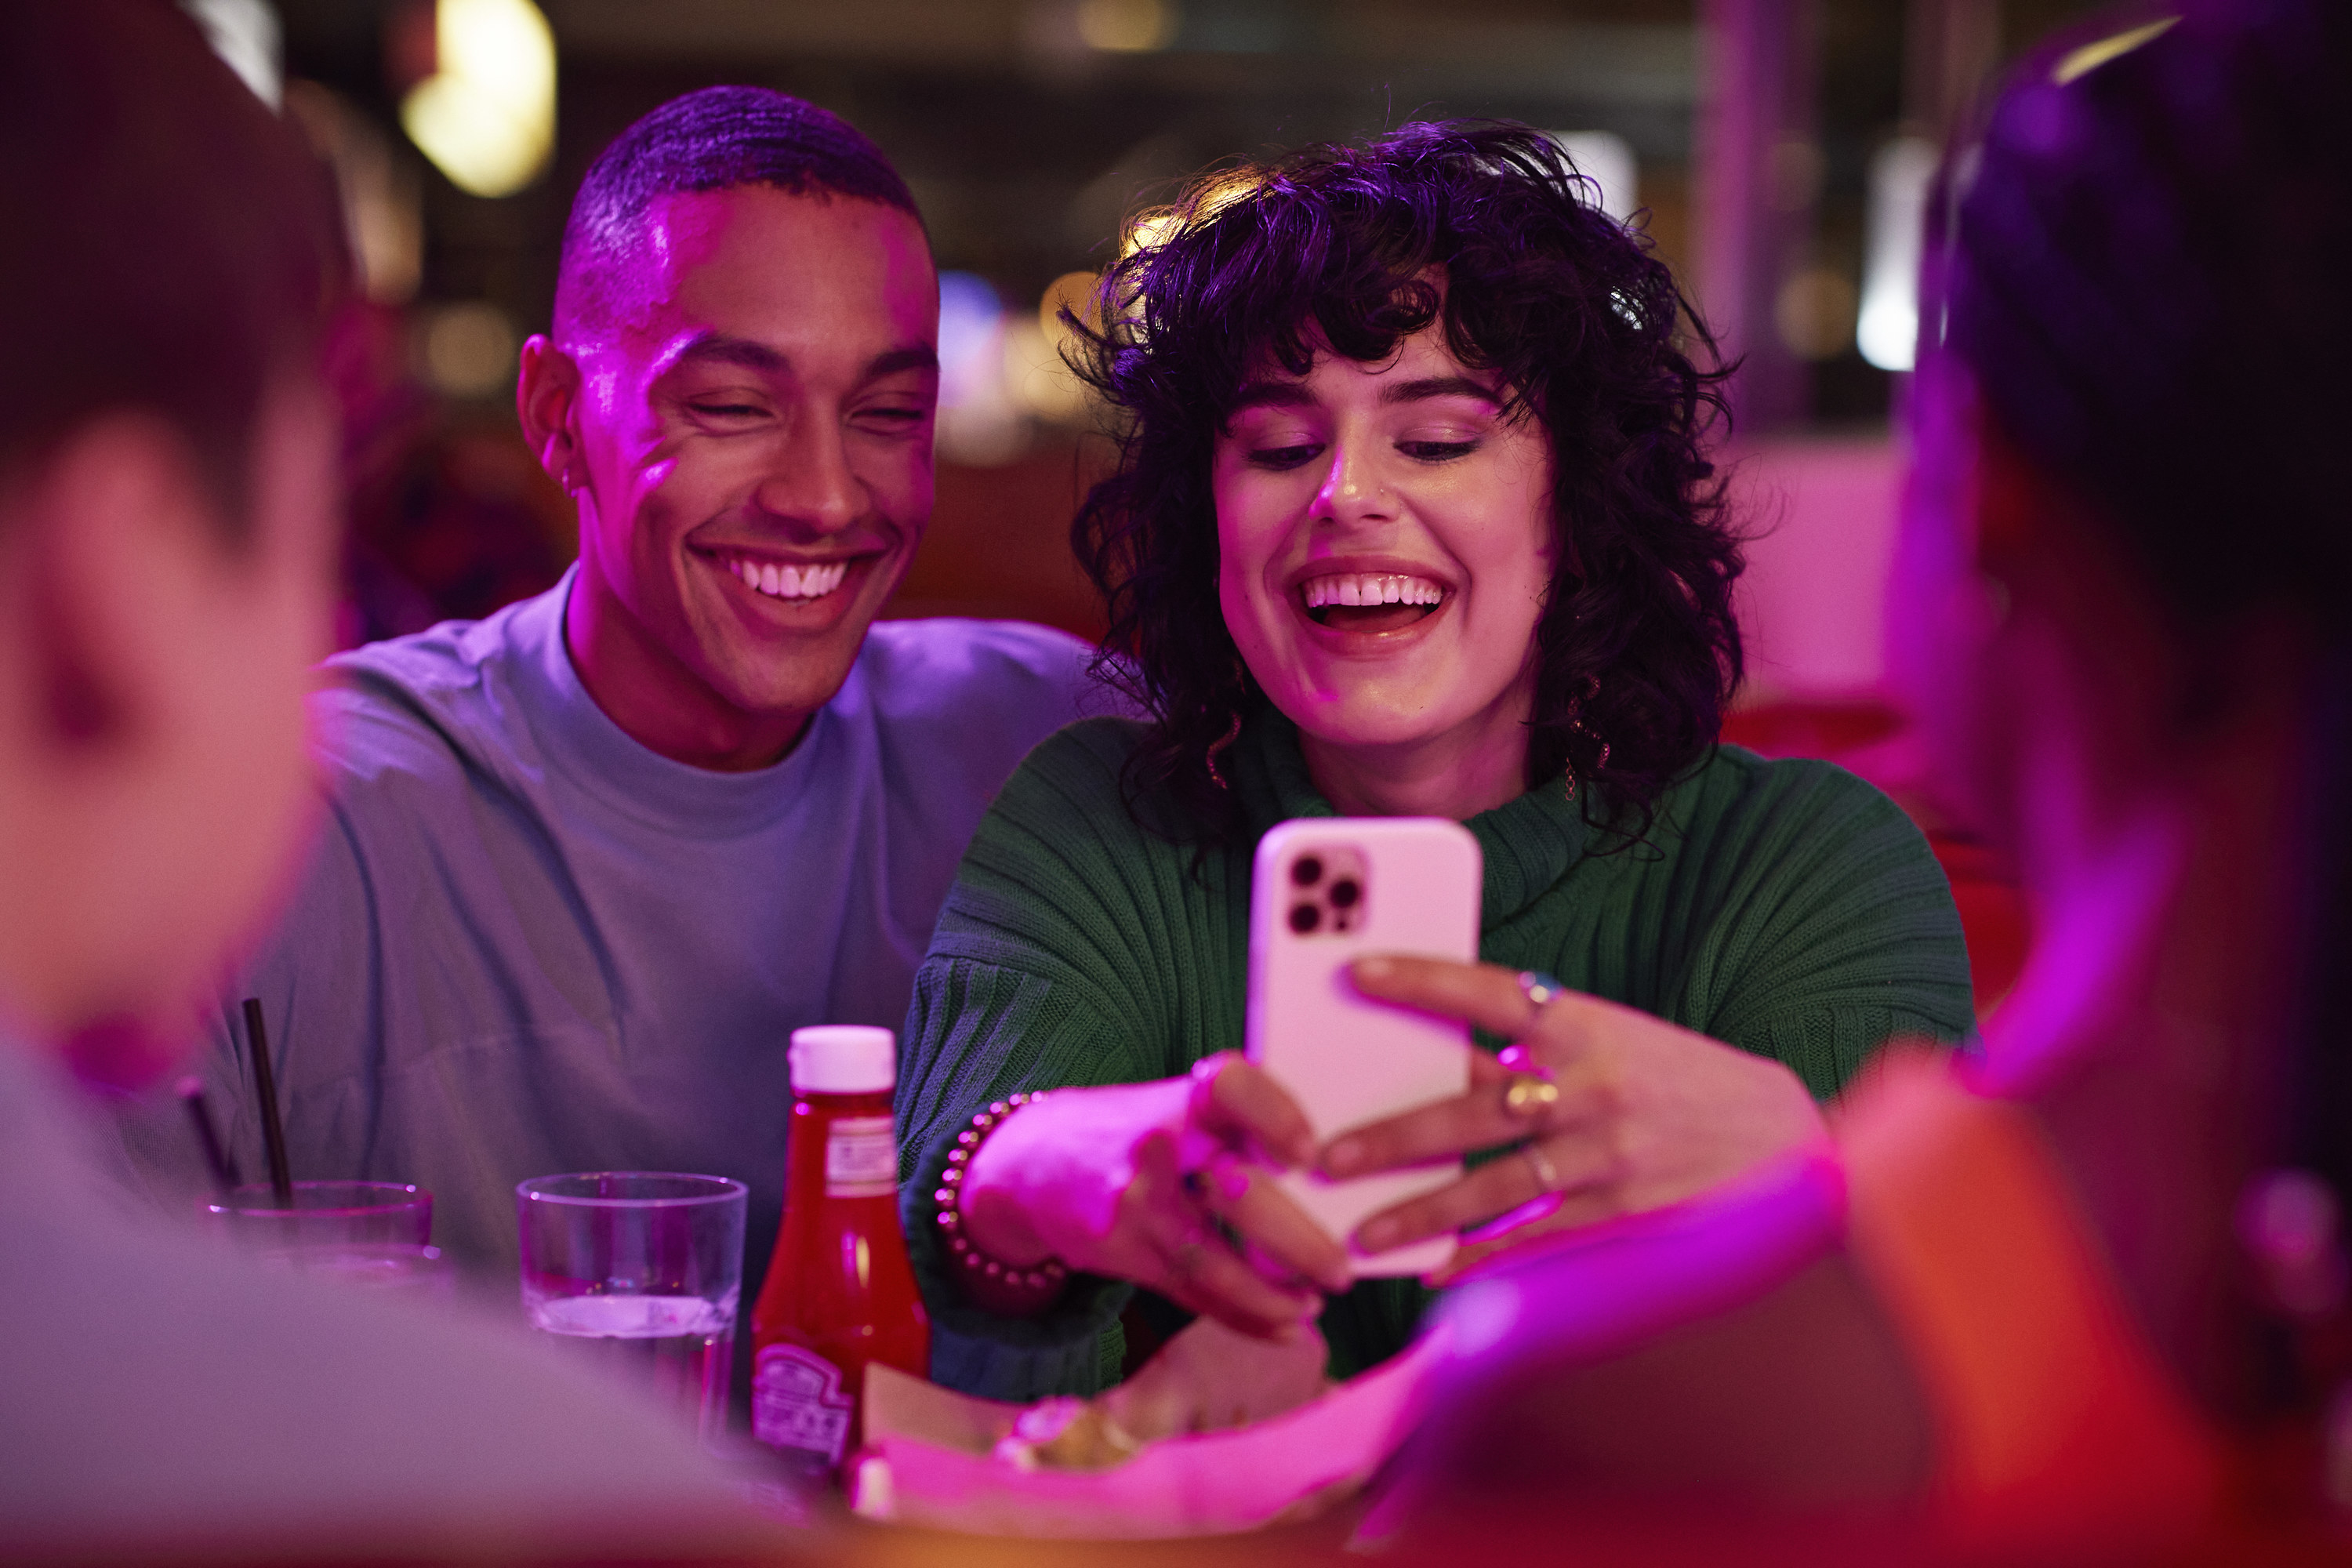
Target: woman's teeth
x=1358, y=588
x=779, y=581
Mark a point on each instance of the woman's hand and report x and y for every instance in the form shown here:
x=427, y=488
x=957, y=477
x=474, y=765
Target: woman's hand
x=1132, y=1180
x=1615, y=1112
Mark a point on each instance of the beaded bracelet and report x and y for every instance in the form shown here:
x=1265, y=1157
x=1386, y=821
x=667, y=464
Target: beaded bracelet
x=988, y=1284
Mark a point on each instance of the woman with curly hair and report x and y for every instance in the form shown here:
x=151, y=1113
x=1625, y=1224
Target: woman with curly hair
x=1412, y=518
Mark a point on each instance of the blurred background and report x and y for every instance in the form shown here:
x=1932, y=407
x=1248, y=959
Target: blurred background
x=1776, y=153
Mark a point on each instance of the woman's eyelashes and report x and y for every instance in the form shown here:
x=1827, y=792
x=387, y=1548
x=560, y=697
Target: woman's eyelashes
x=1281, y=460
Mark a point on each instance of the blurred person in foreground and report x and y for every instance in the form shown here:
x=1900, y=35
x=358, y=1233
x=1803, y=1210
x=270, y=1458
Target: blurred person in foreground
x=166, y=537
x=591, y=860
x=1413, y=517
x=2089, y=1288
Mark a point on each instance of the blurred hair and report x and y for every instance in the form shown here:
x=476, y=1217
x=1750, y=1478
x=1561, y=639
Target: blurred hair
x=2147, y=269
x=170, y=246
x=1567, y=307
x=709, y=140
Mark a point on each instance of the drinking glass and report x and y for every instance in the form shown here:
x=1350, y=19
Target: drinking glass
x=373, y=1234
x=642, y=1270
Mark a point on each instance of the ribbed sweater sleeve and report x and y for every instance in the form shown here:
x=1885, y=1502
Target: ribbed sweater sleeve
x=1828, y=929
x=1059, y=959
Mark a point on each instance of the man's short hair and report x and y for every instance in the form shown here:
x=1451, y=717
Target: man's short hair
x=709, y=140
x=170, y=244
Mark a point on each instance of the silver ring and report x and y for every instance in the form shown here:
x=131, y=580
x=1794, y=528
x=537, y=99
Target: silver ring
x=1540, y=988
x=1547, y=1174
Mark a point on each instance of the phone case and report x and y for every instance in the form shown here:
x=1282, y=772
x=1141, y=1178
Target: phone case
x=1325, y=891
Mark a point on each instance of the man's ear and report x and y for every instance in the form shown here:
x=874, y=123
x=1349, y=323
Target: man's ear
x=547, y=393
x=104, y=532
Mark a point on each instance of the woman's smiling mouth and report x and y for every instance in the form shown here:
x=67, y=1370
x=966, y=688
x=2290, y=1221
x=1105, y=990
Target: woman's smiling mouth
x=1369, y=603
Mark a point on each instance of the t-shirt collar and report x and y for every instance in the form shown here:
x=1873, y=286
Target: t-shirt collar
x=606, y=762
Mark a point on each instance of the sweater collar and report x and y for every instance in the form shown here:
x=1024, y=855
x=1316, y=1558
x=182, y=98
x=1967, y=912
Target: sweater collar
x=1528, y=844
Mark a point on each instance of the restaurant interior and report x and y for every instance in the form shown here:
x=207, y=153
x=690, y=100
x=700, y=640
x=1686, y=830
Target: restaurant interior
x=1777, y=156
x=1782, y=157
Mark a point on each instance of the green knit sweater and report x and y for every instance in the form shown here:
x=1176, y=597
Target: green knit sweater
x=1785, y=906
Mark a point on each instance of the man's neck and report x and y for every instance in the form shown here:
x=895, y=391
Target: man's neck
x=655, y=699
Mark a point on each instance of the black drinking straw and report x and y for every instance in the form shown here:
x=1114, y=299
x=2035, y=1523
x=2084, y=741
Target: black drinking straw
x=265, y=1084
x=225, y=1177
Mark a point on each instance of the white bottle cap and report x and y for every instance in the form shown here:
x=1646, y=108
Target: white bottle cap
x=843, y=1059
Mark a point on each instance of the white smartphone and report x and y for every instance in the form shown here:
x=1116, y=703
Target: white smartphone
x=1325, y=891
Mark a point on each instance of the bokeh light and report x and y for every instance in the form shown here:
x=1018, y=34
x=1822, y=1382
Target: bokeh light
x=487, y=115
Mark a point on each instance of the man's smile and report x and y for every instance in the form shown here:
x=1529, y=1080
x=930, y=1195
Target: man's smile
x=800, y=581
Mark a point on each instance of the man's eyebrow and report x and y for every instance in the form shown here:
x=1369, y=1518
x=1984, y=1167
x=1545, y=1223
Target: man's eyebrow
x=914, y=356
x=718, y=348
x=1439, y=386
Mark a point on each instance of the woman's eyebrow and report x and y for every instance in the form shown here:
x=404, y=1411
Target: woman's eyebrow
x=1439, y=386
x=1270, y=394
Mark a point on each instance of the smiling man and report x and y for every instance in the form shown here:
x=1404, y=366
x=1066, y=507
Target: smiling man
x=591, y=860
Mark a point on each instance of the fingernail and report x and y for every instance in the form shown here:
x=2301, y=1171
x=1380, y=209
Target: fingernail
x=1378, y=1236
x=1342, y=1158
x=1233, y=1183
x=1339, y=1279
x=1372, y=968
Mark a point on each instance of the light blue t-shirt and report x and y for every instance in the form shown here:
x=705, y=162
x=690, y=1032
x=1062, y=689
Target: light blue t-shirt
x=526, y=944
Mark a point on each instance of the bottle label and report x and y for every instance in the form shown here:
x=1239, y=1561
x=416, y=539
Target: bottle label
x=861, y=1158
x=797, y=1402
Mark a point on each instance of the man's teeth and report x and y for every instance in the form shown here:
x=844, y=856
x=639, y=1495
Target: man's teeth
x=1371, y=588
x=780, y=581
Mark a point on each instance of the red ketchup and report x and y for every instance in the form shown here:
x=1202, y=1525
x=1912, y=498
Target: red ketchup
x=839, y=1293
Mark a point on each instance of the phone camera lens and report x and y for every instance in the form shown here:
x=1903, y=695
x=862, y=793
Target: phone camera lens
x=1305, y=918
x=1306, y=870
x=1344, y=892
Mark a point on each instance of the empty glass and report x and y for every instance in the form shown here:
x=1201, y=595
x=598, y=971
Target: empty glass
x=363, y=1232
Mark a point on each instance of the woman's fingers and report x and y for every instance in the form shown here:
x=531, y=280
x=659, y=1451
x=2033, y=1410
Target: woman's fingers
x=1235, y=1101
x=1566, y=1162
x=1171, y=1244
x=1252, y=1201
x=1200, y=1272
x=1489, y=1115
x=1480, y=993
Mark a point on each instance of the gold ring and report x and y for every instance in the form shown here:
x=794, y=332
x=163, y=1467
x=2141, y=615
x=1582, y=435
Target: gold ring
x=1547, y=1174
x=1526, y=1096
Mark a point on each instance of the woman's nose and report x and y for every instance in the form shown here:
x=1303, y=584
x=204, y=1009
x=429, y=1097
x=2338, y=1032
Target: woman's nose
x=1353, y=488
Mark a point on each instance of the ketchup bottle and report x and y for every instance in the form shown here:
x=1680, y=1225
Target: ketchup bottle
x=839, y=1292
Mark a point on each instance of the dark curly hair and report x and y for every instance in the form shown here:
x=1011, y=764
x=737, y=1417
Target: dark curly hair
x=1584, y=327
